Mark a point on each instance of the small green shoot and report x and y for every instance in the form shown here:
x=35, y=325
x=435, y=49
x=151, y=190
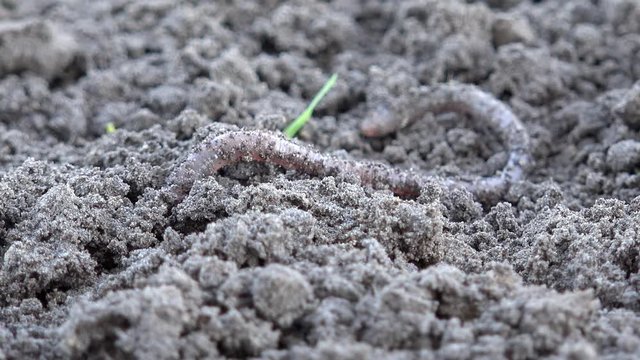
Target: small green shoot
x=110, y=128
x=302, y=119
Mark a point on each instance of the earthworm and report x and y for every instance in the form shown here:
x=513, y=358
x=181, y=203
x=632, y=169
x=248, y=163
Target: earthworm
x=218, y=152
x=465, y=99
x=227, y=149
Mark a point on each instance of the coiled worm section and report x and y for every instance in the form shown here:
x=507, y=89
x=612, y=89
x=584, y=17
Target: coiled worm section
x=480, y=105
x=218, y=152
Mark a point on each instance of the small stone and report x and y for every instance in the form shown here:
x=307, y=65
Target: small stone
x=624, y=155
x=507, y=30
x=281, y=294
x=628, y=109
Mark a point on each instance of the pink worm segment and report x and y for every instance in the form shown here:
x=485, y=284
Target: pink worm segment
x=267, y=147
x=466, y=99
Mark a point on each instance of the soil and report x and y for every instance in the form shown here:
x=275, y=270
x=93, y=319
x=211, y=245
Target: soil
x=262, y=262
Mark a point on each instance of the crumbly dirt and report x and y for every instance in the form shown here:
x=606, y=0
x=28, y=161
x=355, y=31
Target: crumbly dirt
x=259, y=262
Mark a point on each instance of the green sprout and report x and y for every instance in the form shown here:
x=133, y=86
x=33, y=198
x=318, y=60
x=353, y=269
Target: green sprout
x=110, y=128
x=302, y=119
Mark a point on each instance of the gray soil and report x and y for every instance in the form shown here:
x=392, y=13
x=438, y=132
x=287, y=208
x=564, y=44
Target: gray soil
x=261, y=262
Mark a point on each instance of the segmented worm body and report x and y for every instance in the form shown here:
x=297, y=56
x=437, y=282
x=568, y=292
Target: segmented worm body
x=218, y=152
x=482, y=106
x=268, y=147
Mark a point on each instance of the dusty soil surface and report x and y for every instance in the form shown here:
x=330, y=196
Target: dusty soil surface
x=262, y=262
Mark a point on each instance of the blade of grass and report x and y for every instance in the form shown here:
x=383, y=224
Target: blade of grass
x=304, y=117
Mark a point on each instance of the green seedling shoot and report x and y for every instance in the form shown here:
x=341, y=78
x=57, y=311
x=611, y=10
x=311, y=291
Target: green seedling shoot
x=302, y=119
x=110, y=128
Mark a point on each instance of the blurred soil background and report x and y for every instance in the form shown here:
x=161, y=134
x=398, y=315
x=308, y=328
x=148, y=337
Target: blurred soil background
x=258, y=262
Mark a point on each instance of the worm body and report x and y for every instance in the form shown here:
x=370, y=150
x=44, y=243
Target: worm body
x=482, y=106
x=272, y=148
x=218, y=152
